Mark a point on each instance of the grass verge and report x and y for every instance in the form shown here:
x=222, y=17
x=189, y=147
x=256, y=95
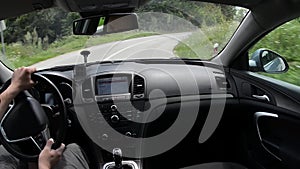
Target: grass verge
x=200, y=44
x=25, y=55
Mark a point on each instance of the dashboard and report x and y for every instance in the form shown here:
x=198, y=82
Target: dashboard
x=137, y=99
x=139, y=79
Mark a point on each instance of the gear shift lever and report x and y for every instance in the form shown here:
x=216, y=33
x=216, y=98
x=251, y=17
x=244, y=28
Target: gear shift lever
x=119, y=163
x=117, y=155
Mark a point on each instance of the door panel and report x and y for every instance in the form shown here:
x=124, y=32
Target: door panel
x=279, y=135
x=273, y=131
x=265, y=124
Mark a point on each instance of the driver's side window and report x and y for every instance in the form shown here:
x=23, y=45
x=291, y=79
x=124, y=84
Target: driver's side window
x=283, y=41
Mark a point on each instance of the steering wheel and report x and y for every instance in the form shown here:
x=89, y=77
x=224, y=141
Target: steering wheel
x=25, y=127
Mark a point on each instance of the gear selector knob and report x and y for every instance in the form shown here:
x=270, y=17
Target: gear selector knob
x=117, y=155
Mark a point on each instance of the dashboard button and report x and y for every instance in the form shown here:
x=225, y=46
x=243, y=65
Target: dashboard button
x=104, y=137
x=114, y=118
x=128, y=134
x=113, y=107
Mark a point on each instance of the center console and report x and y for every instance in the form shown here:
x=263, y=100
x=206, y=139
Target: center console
x=121, y=99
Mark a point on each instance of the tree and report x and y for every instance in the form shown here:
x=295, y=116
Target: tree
x=198, y=13
x=228, y=11
x=52, y=23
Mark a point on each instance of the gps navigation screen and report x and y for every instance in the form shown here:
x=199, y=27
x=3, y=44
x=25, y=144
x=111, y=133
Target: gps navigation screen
x=113, y=85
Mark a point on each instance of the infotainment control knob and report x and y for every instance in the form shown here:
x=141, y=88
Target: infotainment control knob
x=113, y=107
x=114, y=118
x=128, y=134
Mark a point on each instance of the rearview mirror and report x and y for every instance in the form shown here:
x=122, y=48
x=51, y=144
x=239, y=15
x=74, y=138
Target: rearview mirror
x=101, y=25
x=264, y=60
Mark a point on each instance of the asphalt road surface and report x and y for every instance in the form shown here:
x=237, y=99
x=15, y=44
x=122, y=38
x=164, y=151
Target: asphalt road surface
x=152, y=47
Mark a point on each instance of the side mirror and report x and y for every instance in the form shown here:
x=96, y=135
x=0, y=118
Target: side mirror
x=101, y=25
x=264, y=60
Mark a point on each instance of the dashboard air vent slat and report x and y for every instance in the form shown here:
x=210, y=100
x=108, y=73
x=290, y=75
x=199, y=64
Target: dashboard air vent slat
x=138, y=87
x=222, y=83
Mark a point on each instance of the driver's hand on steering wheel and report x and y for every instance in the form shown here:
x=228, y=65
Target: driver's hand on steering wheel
x=49, y=157
x=21, y=79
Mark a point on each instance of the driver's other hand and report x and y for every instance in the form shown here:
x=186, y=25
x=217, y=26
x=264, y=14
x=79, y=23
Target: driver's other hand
x=49, y=157
x=21, y=79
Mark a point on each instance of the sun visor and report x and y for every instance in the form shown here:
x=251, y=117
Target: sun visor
x=98, y=6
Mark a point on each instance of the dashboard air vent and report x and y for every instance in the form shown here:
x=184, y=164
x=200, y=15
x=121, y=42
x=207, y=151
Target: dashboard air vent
x=138, y=87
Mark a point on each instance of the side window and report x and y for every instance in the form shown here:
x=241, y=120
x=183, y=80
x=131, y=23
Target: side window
x=285, y=41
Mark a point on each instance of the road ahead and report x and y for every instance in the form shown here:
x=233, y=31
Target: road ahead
x=158, y=46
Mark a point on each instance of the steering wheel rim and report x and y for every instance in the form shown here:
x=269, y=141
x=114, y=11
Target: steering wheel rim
x=25, y=100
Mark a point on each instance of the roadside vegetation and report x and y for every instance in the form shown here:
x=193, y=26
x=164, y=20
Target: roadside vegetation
x=200, y=45
x=25, y=55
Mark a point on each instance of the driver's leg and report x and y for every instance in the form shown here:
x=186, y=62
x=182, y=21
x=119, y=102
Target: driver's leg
x=8, y=161
x=73, y=158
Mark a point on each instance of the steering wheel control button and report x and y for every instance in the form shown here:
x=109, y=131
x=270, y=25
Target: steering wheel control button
x=39, y=141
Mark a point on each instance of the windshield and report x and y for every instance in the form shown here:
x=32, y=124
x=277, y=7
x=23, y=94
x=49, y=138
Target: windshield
x=170, y=29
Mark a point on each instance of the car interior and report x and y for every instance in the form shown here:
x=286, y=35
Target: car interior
x=198, y=114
